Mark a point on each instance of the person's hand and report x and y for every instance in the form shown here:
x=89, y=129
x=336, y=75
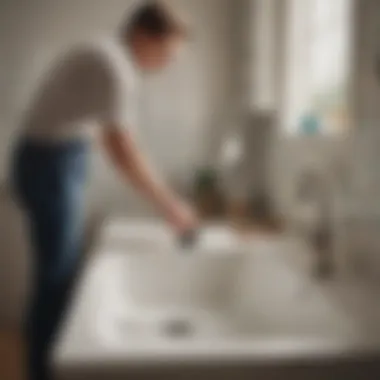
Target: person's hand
x=182, y=217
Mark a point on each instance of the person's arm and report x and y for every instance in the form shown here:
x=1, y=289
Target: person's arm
x=131, y=162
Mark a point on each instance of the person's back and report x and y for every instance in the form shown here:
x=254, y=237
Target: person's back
x=82, y=88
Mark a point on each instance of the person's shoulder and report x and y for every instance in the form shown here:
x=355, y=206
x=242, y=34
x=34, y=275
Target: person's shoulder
x=91, y=57
x=87, y=51
x=106, y=58
x=117, y=58
x=100, y=48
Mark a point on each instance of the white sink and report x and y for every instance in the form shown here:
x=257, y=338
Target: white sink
x=143, y=298
x=220, y=295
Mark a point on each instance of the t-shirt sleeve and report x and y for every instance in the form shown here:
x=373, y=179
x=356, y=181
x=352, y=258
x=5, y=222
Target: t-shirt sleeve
x=116, y=110
x=110, y=92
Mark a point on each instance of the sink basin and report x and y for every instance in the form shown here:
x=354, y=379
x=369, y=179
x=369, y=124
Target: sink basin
x=143, y=299
x=221, y=288
x=153, y=271
x=209, y=295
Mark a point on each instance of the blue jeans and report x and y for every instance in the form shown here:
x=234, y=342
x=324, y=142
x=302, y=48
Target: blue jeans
x=49, y=181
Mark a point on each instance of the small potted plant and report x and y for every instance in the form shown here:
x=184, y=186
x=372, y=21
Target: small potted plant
x=207, y=193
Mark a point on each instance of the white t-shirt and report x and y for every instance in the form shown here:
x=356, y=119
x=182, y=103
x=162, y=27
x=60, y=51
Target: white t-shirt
x=91, y=83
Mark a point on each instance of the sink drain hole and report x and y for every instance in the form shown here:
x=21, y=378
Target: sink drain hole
x=178, y=328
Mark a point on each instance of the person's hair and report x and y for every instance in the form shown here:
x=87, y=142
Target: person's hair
x=155, y=19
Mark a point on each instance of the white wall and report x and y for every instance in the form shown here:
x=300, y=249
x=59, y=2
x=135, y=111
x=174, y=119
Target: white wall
x=180, y=106
x=293, y=156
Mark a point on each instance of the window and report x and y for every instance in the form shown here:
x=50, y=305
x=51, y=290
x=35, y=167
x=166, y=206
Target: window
x=317, y=68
